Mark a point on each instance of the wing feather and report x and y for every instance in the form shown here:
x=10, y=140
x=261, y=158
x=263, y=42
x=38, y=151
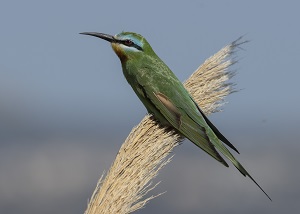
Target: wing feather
x=185, y=124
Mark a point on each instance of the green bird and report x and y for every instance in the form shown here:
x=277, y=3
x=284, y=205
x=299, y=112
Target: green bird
x=165, y=97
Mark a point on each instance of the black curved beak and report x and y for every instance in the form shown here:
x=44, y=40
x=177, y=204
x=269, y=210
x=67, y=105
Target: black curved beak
x=104, y=36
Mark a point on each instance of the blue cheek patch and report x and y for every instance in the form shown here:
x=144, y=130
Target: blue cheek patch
x=138, y=43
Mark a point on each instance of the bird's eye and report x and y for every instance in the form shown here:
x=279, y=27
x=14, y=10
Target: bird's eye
x=128, y=42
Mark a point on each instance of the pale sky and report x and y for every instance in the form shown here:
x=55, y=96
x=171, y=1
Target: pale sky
x=66, y=107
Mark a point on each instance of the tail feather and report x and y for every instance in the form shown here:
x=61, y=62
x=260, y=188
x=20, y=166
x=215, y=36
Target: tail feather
x=220, y=146
x=245, y=173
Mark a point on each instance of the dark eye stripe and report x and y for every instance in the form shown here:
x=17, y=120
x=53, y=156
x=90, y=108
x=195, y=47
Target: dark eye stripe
x=130, y=43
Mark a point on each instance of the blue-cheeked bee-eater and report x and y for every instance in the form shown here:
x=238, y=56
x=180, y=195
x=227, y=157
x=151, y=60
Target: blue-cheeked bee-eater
x=165, y=97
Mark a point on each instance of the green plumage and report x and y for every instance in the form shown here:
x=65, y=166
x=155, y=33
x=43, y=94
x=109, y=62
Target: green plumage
x=165, y=97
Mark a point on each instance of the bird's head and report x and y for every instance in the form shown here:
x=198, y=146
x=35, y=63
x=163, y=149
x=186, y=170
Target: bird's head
x=127, y=45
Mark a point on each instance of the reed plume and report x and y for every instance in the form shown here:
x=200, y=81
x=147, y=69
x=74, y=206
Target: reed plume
x=146, y=150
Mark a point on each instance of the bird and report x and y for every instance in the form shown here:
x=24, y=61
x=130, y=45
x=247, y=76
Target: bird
x=165, y=97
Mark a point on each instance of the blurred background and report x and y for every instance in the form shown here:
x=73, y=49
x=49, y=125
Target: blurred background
x=65, y=107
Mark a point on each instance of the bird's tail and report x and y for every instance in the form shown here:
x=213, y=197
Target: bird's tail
x=221, y=147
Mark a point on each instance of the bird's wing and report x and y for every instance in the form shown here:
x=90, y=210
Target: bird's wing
x=215, y=130
x=183, y=122
x=193, y=125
